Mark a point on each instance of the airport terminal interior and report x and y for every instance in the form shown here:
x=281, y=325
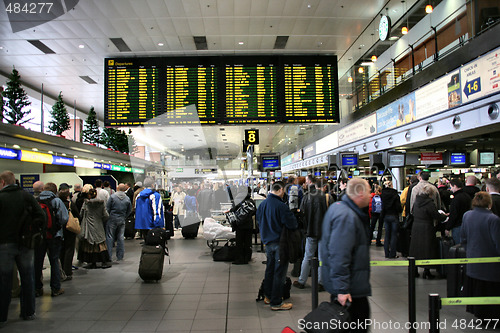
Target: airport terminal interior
x=209, y=93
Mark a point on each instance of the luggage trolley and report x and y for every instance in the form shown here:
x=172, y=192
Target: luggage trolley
x=219, y=216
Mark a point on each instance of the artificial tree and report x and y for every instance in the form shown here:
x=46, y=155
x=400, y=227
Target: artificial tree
x=16, y=100
x=60, y=122
x=91, y=133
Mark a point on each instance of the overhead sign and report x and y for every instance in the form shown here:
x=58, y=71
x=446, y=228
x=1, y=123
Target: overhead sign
x=31, y=156
x=309, y=151
x=252, y=137
x=10, y=154
x=431, y=158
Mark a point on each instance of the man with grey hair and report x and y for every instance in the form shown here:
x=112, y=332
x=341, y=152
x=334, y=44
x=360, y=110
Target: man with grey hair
x=149, y=212
x=424, y=179
x=470, y=186
x=77, y=189
x=118, y=207
x=344, y=250
x=493, y=188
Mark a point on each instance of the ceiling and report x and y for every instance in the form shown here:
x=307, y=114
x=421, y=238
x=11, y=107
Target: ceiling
x=80, y=40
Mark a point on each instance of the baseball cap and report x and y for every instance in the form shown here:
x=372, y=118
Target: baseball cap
x=64, y=186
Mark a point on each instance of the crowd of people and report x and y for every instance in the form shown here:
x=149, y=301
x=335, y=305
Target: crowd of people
x=336, y=221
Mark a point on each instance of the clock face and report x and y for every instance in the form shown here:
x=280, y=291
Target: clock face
x=384, y=27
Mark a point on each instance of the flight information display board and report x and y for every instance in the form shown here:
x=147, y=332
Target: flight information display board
x=309, y=94
x=132, y=92
x=221, y=90
x=251, y=92
x=191, y=85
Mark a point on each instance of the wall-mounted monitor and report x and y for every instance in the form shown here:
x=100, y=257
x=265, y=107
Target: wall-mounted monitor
x=277, y=174
x=303, y=173
x=263, y=175
x=355, y=173
x=396, y=160
x=486, y=158
x=317, y=174
x=270, y=162
x=458, y=158
x=349, y=159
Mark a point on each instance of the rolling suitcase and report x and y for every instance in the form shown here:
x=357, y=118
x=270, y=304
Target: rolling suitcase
x=456, y=279
x=190, y=231
x=151, y=264
x=169, y=223
x=130, y=227
x=445, y=243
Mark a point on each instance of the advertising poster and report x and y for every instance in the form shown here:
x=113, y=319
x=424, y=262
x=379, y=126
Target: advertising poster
x=491, y=72
x=432, y=98
x=358, y=130
x=454, y=95
x=399, y=112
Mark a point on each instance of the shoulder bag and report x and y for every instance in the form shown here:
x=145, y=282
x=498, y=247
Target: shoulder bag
x=73, y=224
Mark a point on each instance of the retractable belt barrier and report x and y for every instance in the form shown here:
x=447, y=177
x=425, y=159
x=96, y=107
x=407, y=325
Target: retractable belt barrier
x=434, y=305
x=436, y=302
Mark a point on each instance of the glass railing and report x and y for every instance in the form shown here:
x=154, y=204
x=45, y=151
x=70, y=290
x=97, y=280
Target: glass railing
x=440, y=41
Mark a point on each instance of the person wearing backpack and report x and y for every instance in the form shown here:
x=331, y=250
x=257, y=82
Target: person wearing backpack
x=17, y=208
x=57, y=217
x=374, y=211
x=391, y=208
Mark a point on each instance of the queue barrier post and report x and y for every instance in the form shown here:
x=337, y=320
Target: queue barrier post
x=412, y=299
x=314, y=283
x=434, y=307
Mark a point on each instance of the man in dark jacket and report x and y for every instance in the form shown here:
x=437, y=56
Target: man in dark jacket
x=493, y=188
x=460, y=204
x=470, y=186
x=313, y=208
x=273, y=215
x=391, y=208
x=118, y=207
x=13, y=203
x=344, y=250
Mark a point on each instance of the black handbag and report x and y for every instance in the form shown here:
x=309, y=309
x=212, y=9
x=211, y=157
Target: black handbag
x=328, y=317
x=408, y=222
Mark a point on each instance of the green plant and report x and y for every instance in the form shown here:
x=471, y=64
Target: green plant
x=91, y=132
x=16, y=100
x=60, y=122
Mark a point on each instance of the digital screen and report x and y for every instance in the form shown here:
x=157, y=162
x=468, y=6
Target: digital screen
x=277, y=174
x=457, y=158
x=317, y=174
x=397, y=160
x=355, y=173
x=188, y=85
x=303, y=173
x=220, y=90
x=270, y=162
x=486, y=158
x=380, y=172
x=251, y=92
x=349, y=160
x=309, y=91
x=263, y=175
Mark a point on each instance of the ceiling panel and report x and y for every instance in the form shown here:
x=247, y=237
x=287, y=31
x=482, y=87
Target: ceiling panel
x=225, y=8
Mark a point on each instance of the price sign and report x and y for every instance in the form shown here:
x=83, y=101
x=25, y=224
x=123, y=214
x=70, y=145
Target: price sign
x=252, y=137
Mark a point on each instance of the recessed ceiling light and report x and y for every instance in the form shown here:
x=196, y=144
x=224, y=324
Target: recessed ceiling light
x=1, y=47
x=63, y=154
x=241, y=43
x=81, y=46
x=160, y=44
x=34, y=149
x=16, y=146
x=393, y=38
x=362, y=45
x=309, y=6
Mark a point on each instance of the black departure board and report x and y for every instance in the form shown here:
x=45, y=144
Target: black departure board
x=309, y=96
x=251, y=93
x=221, y=90
x=132, y=92
x=188, y=87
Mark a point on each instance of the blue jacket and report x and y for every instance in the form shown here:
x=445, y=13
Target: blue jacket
x=480, y=235
x=344, y=251
x=272, y=215
x=62, y=215
x=149, y=210
x=118, y=207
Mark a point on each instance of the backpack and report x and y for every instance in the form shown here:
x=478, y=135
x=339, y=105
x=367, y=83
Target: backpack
x=293, y=197
x=376, y=204
x=51, y=226
x=190, y=203
x=30, y=233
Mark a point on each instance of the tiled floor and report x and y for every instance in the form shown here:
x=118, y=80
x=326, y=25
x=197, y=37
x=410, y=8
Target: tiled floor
x=199, y=295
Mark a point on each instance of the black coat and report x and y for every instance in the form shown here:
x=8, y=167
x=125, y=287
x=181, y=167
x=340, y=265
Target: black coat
x=460, y=204
x=313, y=207
x=445, y=195
x=423, y=243
x=471, y=190
x=391, y=205
x=495, y=207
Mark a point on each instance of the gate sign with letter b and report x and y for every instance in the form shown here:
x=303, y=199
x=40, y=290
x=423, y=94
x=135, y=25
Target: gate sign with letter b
x=252, y=137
